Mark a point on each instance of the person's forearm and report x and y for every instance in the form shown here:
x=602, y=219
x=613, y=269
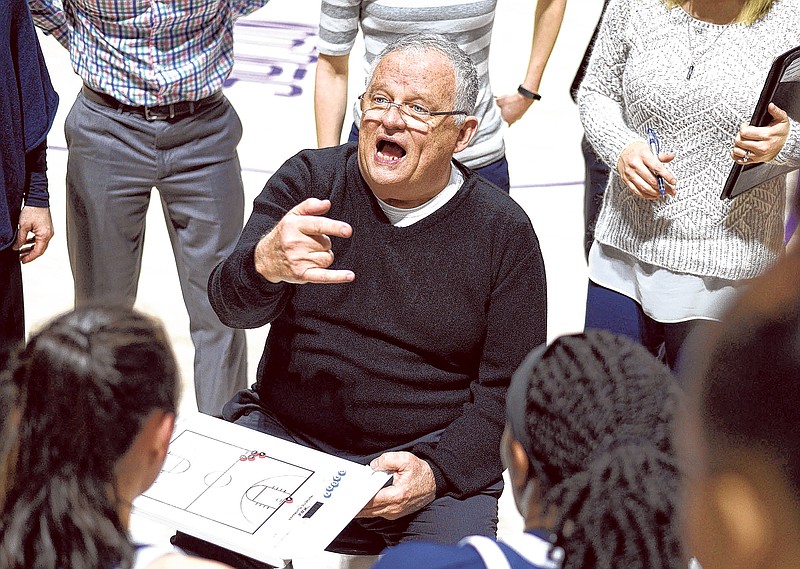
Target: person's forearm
x=330, y=98
x=466, y=459
x=36, y=193
x=546, y=24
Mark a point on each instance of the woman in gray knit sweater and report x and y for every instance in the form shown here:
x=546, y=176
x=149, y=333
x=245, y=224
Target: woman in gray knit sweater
x=689, y=73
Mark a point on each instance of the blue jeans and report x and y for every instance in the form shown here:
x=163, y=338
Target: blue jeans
x=594, y=186
x=496, y=172
x=610, y=310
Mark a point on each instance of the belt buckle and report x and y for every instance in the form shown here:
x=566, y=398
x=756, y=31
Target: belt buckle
x=155, y=116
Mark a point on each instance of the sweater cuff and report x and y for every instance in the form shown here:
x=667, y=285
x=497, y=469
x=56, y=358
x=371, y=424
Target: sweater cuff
x=36, y=194
x=790, y=153
x=442, y=488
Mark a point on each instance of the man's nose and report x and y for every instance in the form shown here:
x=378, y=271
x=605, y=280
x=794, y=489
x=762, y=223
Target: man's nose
x=393, y=118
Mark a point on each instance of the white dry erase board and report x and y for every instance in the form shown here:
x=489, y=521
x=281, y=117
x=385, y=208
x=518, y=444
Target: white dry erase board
x=255, y=494
x=782, y=87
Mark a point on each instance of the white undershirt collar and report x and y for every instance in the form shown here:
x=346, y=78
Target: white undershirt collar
x=403, y=217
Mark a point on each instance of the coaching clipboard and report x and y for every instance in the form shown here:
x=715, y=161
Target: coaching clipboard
x=782, y=87
x=258, y=495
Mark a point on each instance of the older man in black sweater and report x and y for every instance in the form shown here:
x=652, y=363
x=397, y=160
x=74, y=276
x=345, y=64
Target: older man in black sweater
x=402, y=291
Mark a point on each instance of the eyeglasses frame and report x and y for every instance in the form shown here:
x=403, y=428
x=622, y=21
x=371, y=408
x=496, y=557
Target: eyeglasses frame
x=400, y=109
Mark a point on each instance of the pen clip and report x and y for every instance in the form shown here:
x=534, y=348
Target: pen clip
x=655, y=148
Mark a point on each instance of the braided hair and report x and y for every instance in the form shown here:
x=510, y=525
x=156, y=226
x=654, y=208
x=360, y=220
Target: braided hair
x=598, y=416
x=86, y=382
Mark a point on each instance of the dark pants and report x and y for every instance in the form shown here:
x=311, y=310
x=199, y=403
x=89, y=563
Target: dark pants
x=496, y=172
x=446, y=520
x=610, y=310
x=12, y=313
x=595, y=180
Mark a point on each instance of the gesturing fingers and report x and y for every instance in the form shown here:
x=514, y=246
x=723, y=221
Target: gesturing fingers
x=313, y=226
x=299, y=248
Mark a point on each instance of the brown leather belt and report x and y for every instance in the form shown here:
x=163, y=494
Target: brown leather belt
x=157, y=113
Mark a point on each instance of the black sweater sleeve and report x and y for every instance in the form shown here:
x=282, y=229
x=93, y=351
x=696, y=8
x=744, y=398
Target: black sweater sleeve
x=240, y=296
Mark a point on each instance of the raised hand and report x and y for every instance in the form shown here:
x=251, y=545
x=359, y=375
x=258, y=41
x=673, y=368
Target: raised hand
x=298, y=249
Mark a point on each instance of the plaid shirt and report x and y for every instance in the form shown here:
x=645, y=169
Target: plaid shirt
x=146, y=52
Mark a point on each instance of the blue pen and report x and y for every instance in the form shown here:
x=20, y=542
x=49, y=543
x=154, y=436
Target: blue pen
x=655, y=148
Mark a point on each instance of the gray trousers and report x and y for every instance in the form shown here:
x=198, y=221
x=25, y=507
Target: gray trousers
x=115, y=159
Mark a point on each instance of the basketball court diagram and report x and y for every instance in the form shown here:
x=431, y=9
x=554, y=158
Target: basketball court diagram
x=239, y=487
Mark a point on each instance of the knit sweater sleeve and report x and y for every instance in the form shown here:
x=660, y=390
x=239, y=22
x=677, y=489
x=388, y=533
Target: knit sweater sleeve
x=466, y=459
x=240, y=296
x=600, y=98
x=790, y=153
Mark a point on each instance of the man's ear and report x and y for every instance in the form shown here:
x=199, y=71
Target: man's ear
x=744, y=516
x=466, y=131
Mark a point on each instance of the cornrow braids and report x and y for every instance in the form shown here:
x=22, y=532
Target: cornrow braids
x=86, y=383
x=599, y=411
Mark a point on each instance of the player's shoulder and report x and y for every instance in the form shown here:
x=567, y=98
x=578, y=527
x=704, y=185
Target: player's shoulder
x=424, y=555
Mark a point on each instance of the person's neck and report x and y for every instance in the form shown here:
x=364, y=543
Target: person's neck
x=715, y=11
x=535, y=519
x=409, y=198
x=412, y=201
x=123, y=500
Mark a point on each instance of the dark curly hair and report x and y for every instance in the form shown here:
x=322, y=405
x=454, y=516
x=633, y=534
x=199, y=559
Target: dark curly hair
x=86, y=383
x=598, y=417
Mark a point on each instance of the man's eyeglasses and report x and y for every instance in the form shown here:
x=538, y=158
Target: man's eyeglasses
x=414, y=114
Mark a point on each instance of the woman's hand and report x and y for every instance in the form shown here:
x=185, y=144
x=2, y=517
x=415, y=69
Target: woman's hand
x=761, y=143
x=638, y=168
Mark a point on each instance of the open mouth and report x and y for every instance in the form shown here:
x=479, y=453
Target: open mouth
x=389, y=151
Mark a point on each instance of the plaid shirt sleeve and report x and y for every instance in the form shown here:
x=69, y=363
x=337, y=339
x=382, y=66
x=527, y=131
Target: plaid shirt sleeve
x=49, y=16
